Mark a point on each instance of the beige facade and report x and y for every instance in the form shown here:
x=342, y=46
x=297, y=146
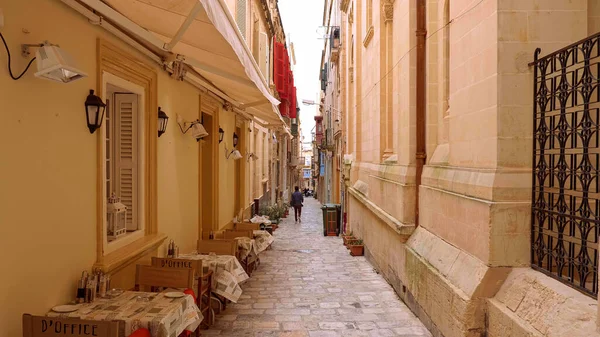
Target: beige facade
x=461, y=258
x=54, y=171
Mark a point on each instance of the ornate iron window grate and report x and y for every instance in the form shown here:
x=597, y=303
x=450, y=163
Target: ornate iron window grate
x=566, y=160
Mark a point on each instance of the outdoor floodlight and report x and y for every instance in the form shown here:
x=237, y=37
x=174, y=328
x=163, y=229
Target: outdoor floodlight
x=55, y=64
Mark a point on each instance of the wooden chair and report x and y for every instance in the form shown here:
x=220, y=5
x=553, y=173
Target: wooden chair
x=219, y=247
x=204, y=288
x=42, y=326
x=248, y=263
x=155, y=277
x=244, y=226
x=232, y=234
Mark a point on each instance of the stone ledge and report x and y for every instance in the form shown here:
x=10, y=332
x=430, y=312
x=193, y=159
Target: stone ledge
x=497, y=233
x=404, y=230
x=462, y=270
x=488, y=184
x=123, y=257
x=399, y=174
x=533, y=304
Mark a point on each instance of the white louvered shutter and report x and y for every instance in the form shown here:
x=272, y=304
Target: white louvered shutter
x=263, y=55
x=126, y=166
x=240, y=16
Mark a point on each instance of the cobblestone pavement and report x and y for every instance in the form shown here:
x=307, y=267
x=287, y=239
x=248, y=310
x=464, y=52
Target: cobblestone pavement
x=309, y=285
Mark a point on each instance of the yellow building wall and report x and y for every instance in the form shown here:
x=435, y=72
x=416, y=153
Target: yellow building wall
x=178, y=165
x=226, y=170
x=48, y=165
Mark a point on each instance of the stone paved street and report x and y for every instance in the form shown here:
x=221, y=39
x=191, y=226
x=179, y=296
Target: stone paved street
x=309, y=285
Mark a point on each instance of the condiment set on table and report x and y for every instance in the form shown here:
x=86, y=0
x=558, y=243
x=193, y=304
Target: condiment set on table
x=89, y=287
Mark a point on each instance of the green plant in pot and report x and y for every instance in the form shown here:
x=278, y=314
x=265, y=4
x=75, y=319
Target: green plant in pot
x=347, y=236
x=286, y=209
x=356, y=247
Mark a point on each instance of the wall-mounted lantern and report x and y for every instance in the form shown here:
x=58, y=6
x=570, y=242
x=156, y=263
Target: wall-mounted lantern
x=94, y=111
x=221, y=134
x=117, y=218
x=163, y=119
x=235, y=140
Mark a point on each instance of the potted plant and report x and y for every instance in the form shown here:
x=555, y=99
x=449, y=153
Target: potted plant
x=346, y=237
x=357, y=247
x=286, y=209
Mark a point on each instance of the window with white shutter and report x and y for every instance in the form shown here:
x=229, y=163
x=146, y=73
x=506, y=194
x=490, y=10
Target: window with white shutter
x=264, y=56
x=240, y=16
x=126, y=151
x=122, y=153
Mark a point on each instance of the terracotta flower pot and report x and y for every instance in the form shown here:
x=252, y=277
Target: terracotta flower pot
x=357, y=250
x=347, y=238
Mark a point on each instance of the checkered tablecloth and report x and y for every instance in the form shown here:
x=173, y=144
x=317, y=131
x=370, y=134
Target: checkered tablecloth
x=262, y=241
x=228, y=274
x=163, y=316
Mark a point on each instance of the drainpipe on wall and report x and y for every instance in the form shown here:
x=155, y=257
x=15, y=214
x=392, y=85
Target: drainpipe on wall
x=421, y=153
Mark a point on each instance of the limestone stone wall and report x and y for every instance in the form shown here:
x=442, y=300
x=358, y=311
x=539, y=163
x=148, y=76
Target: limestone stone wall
x=475, y=195
x=533, y=304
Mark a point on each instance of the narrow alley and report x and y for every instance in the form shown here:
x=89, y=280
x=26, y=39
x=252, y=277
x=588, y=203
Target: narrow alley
x=309, y=285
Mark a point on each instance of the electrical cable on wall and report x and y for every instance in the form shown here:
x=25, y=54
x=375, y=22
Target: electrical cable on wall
x=9, y=68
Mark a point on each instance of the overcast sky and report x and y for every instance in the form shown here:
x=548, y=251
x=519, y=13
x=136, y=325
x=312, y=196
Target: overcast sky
x=301, y=20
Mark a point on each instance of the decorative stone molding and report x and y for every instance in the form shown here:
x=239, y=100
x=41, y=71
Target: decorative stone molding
x=227, y=106
x=388, y=10
x=351, y=16
x=403, y=230
x=344, y=5
x=369, y=36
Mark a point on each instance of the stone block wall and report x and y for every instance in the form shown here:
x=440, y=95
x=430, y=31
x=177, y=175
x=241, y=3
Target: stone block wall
x=533, y=304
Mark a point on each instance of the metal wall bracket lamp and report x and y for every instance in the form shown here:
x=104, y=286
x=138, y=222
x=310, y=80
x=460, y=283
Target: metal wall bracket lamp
x=198, y=130
x=53, y=63
x=234, y=153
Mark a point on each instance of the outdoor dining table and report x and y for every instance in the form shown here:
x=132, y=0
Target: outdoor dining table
x=228, y=273
x=247, y=247
x=163, y=316
x=262, y=240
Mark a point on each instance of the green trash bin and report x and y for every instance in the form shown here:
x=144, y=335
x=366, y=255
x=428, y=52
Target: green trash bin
x=331, y=219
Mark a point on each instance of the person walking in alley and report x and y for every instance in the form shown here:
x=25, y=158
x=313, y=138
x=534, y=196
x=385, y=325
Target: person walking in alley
x=297, y=200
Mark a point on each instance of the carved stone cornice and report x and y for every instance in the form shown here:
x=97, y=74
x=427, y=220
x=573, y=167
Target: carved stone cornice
x=344, y=5
x=387, y=7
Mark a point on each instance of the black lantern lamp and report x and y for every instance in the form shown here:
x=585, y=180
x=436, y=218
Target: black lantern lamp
x=94, y=111
x=163, y=119
x=235, y=139
x=221, y=134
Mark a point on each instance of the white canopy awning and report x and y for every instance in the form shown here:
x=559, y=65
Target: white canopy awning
x=204, y=35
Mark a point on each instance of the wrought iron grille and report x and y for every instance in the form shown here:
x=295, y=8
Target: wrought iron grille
x=566, y=159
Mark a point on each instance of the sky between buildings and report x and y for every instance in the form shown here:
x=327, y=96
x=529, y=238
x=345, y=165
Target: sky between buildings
x=302, y=21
